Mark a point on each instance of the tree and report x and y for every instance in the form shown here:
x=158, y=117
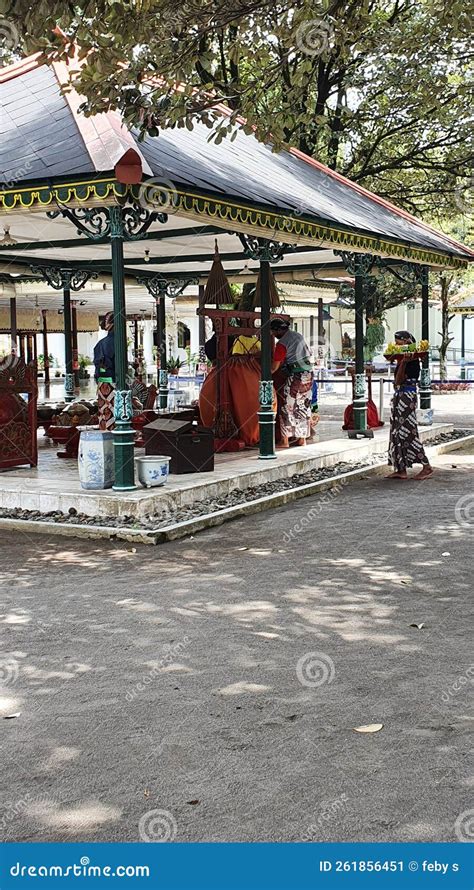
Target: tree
x=374, y=88
x=381, y=293
x=449, y=285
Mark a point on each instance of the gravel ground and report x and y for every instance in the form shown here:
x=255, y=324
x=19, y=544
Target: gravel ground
x=221, y=679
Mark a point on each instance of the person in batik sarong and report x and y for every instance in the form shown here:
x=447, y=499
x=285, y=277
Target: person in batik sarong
x=293, y=378
x=104, y=361
x=405, y=448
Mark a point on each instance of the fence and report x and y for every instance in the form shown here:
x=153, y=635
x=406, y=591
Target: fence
x=326, y=384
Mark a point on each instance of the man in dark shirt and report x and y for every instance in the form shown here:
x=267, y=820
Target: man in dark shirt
x=104, y=353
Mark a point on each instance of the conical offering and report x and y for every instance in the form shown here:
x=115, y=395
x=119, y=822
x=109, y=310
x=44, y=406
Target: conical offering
x=274, y=296
x=217, y=292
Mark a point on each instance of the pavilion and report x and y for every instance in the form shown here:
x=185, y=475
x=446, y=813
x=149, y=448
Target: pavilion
x=465, y=308
x=82, y=197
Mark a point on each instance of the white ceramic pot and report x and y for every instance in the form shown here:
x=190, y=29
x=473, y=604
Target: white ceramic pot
x=153, y=469
x=96, y=459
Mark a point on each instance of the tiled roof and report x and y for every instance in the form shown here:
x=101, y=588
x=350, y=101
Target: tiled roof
x=39, y=136
x=44, y=136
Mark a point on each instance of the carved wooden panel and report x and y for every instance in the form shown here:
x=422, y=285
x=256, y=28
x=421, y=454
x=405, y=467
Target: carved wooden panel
x=18, y=403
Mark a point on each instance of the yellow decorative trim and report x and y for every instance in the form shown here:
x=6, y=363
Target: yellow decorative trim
x=277, y=226
x=281, y=225
x=69, y=193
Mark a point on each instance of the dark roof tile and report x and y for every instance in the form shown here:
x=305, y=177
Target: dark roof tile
x=41, y=138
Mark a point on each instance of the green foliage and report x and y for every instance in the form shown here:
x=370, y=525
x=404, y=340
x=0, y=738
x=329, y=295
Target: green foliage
x=173, y=364
x=51, y=360
x=377, y=90
x=374, y=339
x=192, y=359
x=382, y=292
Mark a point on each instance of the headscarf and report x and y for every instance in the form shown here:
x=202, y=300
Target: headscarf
x=279, y=324
x=404, y=335
x=108, y=320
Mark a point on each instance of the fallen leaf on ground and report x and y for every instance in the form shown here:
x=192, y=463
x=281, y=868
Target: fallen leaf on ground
x=419, y=626
x=370, y=727
x=11, y=716
x=193, y=802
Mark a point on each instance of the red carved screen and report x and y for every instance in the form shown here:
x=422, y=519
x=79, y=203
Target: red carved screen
x=18, y=401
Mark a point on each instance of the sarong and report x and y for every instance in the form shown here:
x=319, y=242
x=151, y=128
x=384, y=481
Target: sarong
x=405, y=448
x=295, y=406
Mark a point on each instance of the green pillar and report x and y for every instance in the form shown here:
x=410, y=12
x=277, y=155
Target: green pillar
x=359, y=265
x=463, y=347
x=44, y=316
x=69, y=378
x=266, y=417
x=13, y=326
x=426, y=411
x=163, y=372
x=123, y=433
x=360, y=403
x=75, y=350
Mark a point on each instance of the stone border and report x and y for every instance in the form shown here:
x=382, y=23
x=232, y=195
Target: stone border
x=144, y=502
x=211, y=520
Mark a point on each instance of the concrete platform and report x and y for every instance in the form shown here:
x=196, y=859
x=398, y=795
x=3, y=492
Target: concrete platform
x=54, y=484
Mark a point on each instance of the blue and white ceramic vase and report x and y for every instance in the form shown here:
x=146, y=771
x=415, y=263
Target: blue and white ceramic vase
x=96, y=459
x=153, y=469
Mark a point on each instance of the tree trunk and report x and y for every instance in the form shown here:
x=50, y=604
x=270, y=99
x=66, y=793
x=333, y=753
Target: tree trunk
x=446, y=320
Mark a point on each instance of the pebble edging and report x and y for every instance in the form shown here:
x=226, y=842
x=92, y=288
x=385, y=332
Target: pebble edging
x=205, y=507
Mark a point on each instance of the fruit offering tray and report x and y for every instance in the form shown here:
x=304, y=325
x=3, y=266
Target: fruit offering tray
x=410, y=355
x=400, y=350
